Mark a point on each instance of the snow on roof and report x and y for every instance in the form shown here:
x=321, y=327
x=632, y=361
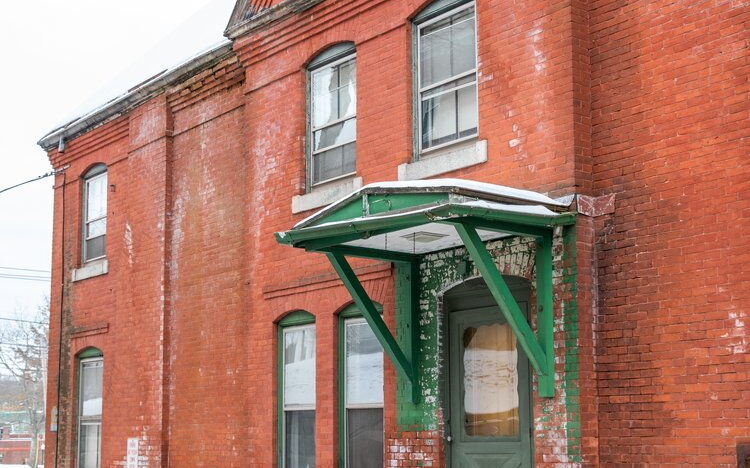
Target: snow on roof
x=532, y=210
x=199, y=35
x=447, y=184
x=482, y=187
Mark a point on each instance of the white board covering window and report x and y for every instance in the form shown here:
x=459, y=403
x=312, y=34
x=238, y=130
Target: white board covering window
x=447, y=77
x=363, y=370
x=90, y=412
x=299, y=397
x=95, y=213
x=333, y=115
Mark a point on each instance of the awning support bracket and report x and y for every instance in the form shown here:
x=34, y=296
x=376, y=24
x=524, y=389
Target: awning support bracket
x=540, y=348
x=398, y=357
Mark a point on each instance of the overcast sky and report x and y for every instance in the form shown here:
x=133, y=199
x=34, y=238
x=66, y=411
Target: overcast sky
x=60, y=57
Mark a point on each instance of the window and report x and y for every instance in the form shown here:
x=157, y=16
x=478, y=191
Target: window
x=446, y=74
x=333, y=114
x=362, y=412
x=90, y=412
x=95, y=213
x=297, y=398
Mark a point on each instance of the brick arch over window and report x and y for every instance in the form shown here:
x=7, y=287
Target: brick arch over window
x=294, y=317
x=330, y=53
x=89, y=352
x=431, y=8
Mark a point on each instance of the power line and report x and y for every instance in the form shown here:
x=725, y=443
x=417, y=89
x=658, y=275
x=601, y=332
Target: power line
x=51, y=173
x=22, y=320
x=5, y=343
x=26, y=278
x=24, y=269
x=25, y=275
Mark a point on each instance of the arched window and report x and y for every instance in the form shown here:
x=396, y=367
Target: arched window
x=332, y=114
x=94, y=213
x=296, y=391
x=89, y=411
x=446, y=74
x=360, y=391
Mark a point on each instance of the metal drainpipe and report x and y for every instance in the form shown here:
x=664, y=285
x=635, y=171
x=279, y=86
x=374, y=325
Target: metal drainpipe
x=60, y=331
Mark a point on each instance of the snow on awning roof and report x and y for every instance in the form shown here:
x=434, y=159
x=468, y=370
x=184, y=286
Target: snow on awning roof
x=418, y=217
x=468, y=188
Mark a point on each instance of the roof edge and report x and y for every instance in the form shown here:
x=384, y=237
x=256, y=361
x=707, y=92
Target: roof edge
x=239, y=26
x=135, y=96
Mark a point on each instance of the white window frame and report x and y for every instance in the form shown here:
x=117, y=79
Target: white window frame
x=312, y=129
x=84, y=235
x=422, y=89
x=347, y=406
x=284, y=407
x=88, y=421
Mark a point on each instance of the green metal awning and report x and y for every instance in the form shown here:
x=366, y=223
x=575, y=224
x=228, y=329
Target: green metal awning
x=401, y=221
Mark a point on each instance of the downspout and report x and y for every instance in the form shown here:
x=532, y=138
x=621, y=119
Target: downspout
x=62, y=298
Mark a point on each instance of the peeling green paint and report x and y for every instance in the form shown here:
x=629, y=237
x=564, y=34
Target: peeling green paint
x=439, y=272
x=571, y=377
x=515, y=256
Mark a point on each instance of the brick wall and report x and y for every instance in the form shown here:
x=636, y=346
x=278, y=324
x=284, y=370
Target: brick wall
x=670, y=106
x=643, y=100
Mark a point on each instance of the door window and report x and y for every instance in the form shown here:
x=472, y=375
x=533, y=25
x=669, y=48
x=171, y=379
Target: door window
x=490, y=381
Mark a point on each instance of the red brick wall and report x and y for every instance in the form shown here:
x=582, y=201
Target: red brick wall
x=670, y=111
x=128, y=312
x=645, y=100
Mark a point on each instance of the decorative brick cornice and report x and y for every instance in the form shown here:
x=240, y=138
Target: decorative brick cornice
x=246, y=16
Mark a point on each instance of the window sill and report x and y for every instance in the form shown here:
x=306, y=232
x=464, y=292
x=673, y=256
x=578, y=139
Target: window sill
x=326, y=194
x=447, y=159
x=90, y=269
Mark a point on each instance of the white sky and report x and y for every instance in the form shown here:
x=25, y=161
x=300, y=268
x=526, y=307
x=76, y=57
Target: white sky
x=57, y=55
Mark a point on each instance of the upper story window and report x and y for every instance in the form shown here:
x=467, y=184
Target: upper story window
x=94, y=212
x=90, y=412
x=297, y=383
x=446, y=74
x=333, y=114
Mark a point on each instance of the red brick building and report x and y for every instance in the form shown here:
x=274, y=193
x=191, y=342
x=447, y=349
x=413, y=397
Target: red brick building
x=15, y=448
x=595, y=318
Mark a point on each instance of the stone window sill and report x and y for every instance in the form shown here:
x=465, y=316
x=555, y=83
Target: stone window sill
x=447, y=159
x=325, y=194
x=90, y=269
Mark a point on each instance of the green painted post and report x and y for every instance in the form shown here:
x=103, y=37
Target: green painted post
x=545, y=313
x=503, y=296
x=371, y=315
x=407, y=278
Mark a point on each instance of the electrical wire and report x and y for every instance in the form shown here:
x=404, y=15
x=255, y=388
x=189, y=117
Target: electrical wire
x=24, y=269
x=25, y=278
x=5, y=343
x=43, y=176
x=22, y=321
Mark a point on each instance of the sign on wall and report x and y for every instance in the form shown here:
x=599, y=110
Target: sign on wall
x=132, y=457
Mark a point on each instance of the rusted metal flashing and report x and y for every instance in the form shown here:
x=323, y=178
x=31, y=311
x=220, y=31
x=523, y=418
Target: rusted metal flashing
x=595, y=206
